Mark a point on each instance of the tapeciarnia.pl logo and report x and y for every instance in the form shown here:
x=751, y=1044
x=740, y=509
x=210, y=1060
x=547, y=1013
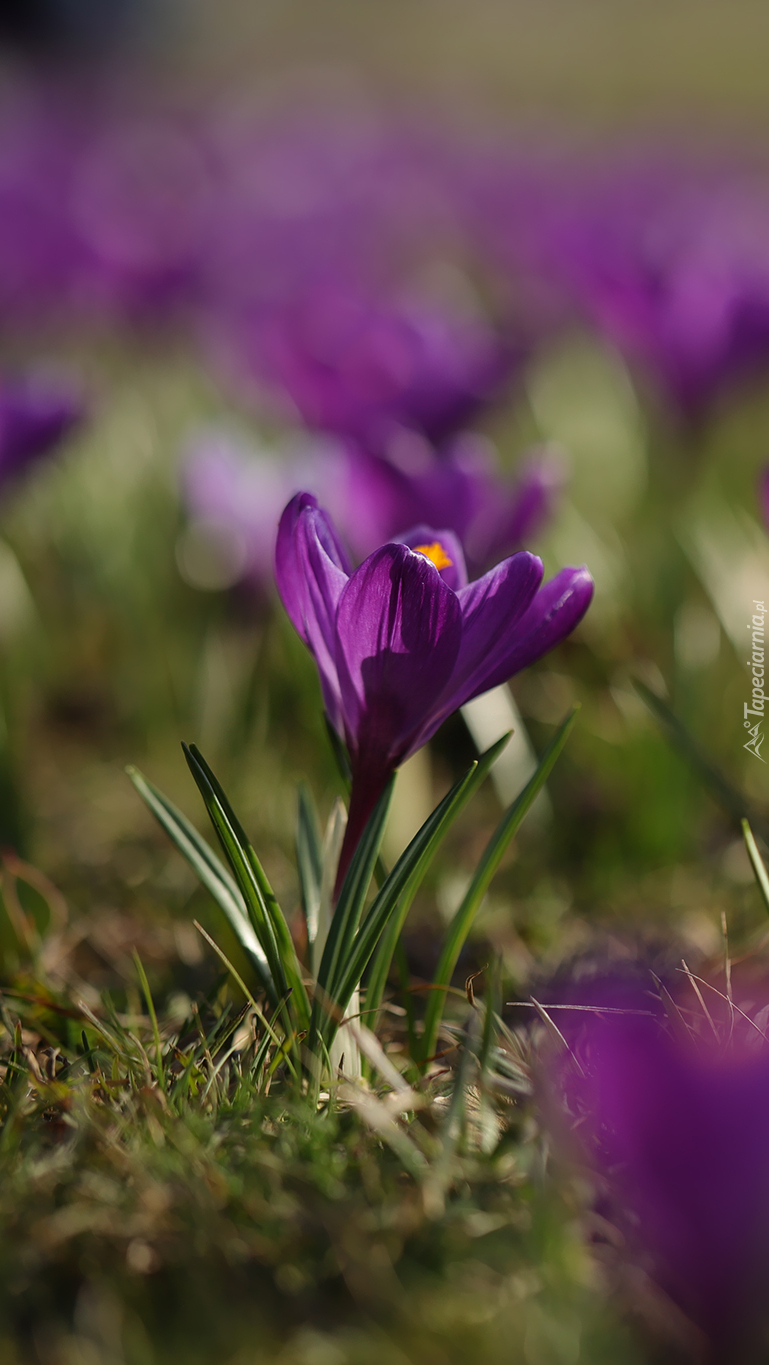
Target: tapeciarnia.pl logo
x=758, y=697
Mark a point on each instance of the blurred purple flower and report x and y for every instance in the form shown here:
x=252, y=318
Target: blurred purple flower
x=362, y=368
x=36, y=411
x=404, y=640
x=104, y=210
x=672, y=264
x=678, y=1130
x=324, y=192
x=239, y=491
x=464, y=490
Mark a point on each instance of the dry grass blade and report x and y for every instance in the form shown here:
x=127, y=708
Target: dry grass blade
x=555, y=1032
x=374, y=1053
x=695, y=987
x=379, y=1117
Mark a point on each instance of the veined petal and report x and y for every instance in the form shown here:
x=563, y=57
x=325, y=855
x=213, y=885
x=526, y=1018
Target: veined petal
x=556, y=609
x=290, y=563
x=311, y=571
x=504, y=630
x=398, y=634
x=449, y=558
x=492, y=608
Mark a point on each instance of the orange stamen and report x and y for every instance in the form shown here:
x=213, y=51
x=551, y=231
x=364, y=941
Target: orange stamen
x=436, y=554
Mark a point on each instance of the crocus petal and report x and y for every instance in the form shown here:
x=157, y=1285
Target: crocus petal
x=290, y=566
x=311, y=571
x=454, y=574
x=492, y=608
x=398, y=634
x=557, y=608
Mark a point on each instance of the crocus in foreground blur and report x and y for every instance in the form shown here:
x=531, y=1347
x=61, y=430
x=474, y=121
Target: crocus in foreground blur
x=36, y=412
x=677, y=1128
x=404, y=640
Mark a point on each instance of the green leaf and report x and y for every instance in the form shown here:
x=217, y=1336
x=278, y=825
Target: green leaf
x=347, y=914
x=266, y=915
x=383, y=924
x=209, y=870
x=309, y=860
x=729, y=797
x=757, y=862
x=463, y=919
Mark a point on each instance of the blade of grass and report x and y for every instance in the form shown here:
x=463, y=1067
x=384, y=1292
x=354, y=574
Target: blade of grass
x=454, y=1122
x=209, y=871
x=241, y=983
x=340, y=754
x=407, y=875
x=266, y=915
x=730, y=798
x=346, y=916
x=757, y=862
x=332, y=847
x=397, y=893
x=489, y=1130
x=309, y=860
x=463, y=919
x=145, y=985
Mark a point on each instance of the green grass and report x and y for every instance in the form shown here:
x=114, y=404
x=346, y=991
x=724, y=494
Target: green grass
x=158, y=1208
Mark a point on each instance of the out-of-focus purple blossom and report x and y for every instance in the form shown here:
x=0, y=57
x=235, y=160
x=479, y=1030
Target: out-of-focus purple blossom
x=113, y=207
x=464, y=490
x=104, y=211
x=671, y=262
x=323, y=193
x=142, y=204
x=677, y=1129
x=513, y=192
x=239, y=490
x=36, y=411
x=365, y=368
x=404, y=640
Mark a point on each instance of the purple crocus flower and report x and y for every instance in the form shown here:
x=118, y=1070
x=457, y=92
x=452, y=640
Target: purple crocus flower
x=363, y=368
x=36, y=412
x=405, y=639
x=677, y=1128
x=672, y=264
